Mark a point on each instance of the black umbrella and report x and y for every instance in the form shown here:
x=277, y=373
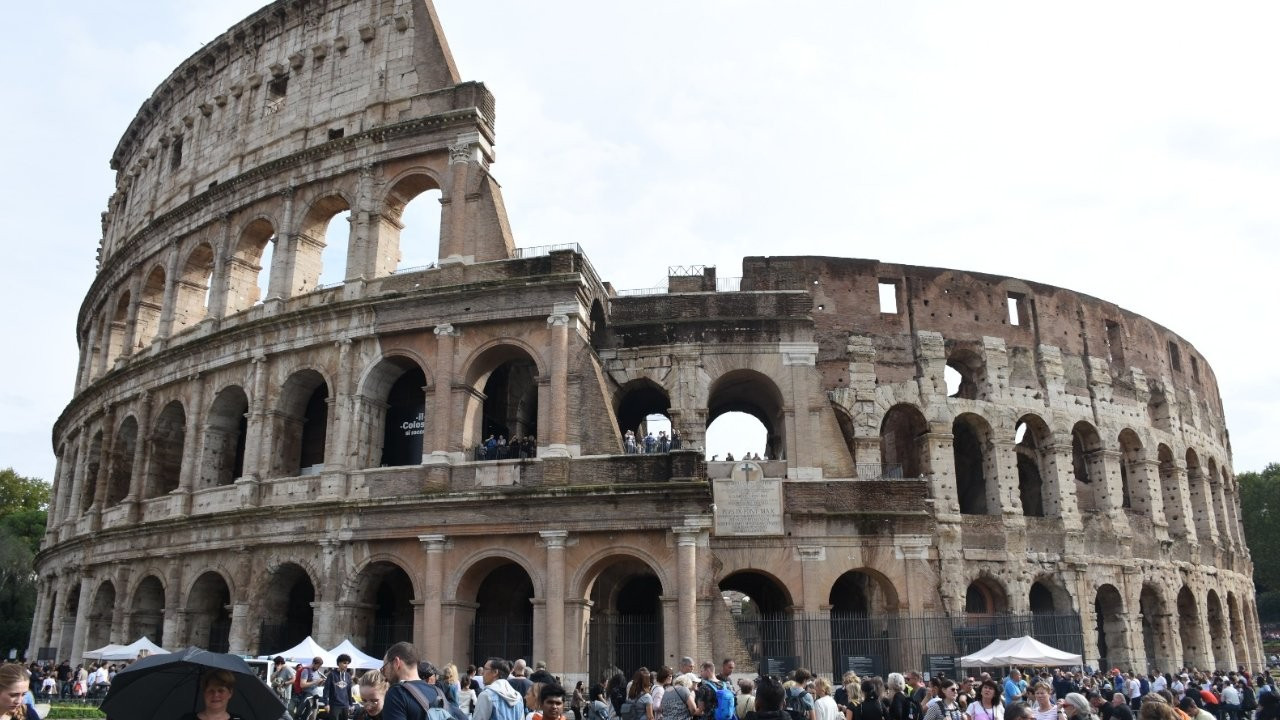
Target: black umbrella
x=167, y=686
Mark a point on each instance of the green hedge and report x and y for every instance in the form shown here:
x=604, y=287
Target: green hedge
x=73, y=711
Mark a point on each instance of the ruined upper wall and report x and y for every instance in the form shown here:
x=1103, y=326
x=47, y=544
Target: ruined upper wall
x=294, y=75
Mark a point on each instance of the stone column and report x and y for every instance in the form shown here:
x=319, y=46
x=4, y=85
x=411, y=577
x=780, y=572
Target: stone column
x=555, y=541
x=82, y=620
x=361, y=248
x=432, y=595
x=940, y=467
x=1060, y=483
x=1008, y=500
x=219, y=281
x=441, y=407
x=465, y=156
x=40, y=620
x=558, y=410
x=90, y=358
x=255, y=449
x=131, y=324
x=121, y=583
x=339, y=450
x=687, y=586
x=141, y=450
x=175, y=626
x=799, y=359
x=192, y=443
x=56, y=621
x=279, y=286
x=104, y=469
x=811, y=557
x=164, y=327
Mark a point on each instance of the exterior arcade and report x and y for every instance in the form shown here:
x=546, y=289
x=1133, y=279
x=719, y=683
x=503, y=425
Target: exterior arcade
x=240, y=468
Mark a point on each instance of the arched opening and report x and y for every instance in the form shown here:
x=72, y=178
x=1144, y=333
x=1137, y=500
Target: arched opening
x=409, y=237
x=384, y=607
x=1171, y=492
x=755, y=394
x=760, y=607
x=1132, y=472
x=168, y=442
x=903, y=449
x=191, y=296
x=150, y=303
x=322, y=247
x=247, y=284
x=116, y=331
x=1155, y=621
x=1190, y=630
x=503, y=624
x=146, y=616
x=1032, y=436
x=965, y=375
x=506, y=407
x=1218, y=502
x=1040, y=600
x=1200, y=502
x=209, y=613
x=1158, y=407
x=405, y=420
x=225, y=432
x=977, y=484
x=286, y=609
x=599, y=326
x=1237, y=640
x=93, y=465
x=1109, y=614
x=100, y=612
x=301, y=425
x=1219, y=636
x=862, y=604
x=122, y=452
x=1086, y=465
x=1052, y=618
x=625, y=629
x=983, y=598
x=634, y=404
x=70, y=612
x=734, y=435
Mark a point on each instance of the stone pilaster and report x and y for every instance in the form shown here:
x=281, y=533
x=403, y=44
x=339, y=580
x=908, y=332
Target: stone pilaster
x=555, y=541
x=432, y=595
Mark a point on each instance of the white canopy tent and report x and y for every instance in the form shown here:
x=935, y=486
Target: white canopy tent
x=97, y=654
x=359, y=660
x=1024, y=650
x=133, y=650
x=303, y=653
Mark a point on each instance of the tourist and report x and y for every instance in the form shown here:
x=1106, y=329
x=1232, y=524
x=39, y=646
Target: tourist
x=824, y=706
x=899, y=703
x=988, y=705
x=946, y=708
x=1044, y=707
x=373, y=688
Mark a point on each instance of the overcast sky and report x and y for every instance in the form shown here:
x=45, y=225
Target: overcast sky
x=1129, y=151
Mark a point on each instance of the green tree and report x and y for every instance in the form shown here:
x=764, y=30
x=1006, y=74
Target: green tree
x=1260, y=515
x=23, y=516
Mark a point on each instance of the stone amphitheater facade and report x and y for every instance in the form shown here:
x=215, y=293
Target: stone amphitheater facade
x=238, y=470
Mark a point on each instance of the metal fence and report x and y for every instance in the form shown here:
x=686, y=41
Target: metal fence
x=830, y=644
x=501, y=638
x=625, y=642
x=384, y=635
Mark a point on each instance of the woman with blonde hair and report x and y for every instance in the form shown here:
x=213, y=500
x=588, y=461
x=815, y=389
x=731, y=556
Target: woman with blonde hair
x=449, y=676
x=373, y=688
x=824, y=706
x=14, y=683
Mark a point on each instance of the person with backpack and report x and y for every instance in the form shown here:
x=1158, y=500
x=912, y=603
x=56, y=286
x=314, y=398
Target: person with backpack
x=410, y=697
x=599, y=708
x=873, y=707
x=899, y=703
x=799, y=702
x=499, y=700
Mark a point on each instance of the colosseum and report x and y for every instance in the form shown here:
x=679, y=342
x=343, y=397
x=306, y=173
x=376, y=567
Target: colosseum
x=253, y=454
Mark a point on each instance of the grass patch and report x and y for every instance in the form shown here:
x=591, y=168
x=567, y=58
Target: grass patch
x=73, y=710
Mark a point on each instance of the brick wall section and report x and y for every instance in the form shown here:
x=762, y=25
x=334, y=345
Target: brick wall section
x=857, y=497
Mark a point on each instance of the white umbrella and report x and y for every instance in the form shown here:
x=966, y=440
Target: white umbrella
x=359, y=660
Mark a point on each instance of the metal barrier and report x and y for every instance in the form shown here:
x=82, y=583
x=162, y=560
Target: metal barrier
x=502, y=638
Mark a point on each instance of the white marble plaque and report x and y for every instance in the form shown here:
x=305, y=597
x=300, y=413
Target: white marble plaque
x=748, y=506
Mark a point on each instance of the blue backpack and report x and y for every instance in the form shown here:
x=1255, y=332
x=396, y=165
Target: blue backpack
x=724, y=701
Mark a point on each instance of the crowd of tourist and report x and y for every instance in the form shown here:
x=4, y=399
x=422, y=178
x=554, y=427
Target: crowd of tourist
x=649, y=444
x=407, y=686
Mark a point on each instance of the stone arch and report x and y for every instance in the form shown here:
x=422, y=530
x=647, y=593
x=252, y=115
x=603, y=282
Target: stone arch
x=976, y=467
x=146, y=610
x=93, y=465
x=504, y=379
x=1109, y=614
x=1217, y=500
x=496, y=591
x=1237, y=629
x=753, y=593
x=903, y=441
x=970, y=369
x=1133, y=472
x=312, y=246
x=754, y=393
x=209, y=612
x=300, y=425
x=191, y=293
x=864, y=604
x=167, y=445
x=1033, y=447
x=624, y=589
x=392, y=413
x=403, y=190
x=287, y=599
x=101, y=610
x=599, y=325
x=383, y=597
x=1171, y=493
x=636, y=400
x=146, y=322
x=1219, y=631
x=1191, y=630
x=123, y=447
x=225, y=432
x=1201, y=511
x=1088, y=468
x=246, y=263
x=985, y=596
x=1157, y=643
x=1048, y=596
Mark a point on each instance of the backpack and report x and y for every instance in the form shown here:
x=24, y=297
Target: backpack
x=724, y=701
x=1248, y=701
x=435, y=711
x=1144, y=686
x=599, y=710
x=795, y=704
x=630, y=710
